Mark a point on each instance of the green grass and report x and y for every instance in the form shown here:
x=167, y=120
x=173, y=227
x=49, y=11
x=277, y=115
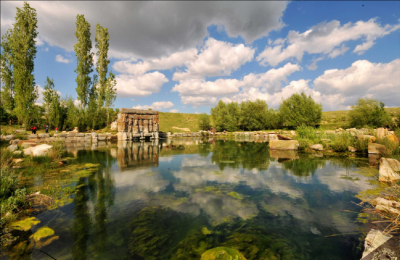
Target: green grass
x=180, y=120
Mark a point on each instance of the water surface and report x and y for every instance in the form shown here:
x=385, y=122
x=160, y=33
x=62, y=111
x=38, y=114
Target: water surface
x=176, y=199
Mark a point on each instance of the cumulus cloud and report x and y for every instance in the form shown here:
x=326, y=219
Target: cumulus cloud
x=156, y=105
x=143, y=85
x=198, y=101
x=151, y=29
x=380, y=80
x=60, y=58
x=325, y=38
x=174, y=111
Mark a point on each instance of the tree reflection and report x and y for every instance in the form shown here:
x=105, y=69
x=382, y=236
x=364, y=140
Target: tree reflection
x=304, y=166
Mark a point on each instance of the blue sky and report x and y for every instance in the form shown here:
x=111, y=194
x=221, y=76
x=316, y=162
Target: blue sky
x=184, y=57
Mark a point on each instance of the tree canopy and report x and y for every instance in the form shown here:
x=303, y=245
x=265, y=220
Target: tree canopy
x=300, y=109
x=369, y=112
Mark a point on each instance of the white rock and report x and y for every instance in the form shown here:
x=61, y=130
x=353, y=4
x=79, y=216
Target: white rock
x=38, y=150
x=374, y=239
x=389, y=169
x=386, y=205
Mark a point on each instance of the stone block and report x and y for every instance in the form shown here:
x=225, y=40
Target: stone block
x=32, y=137
x=79, y=135
x=38, y=150
x=370, y=138
x=282, y=137
x=69, y=139
x=272, y=137
x=381, y=132
x=59, y=138
x=375, y=148
x=20, y=131
x=27, y=144
x=71, y=135
x=389, y=169
x=43, y=135
x=79, y=139
x=16, y=141
x=12, y=147
x=283, y=144
x=317, y=147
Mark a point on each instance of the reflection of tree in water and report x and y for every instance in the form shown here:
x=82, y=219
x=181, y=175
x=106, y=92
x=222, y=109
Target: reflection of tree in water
x=246, y=155
x=304, y=166
x=99, y=189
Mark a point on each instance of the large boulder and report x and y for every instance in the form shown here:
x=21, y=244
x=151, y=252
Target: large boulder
x=376, y=148
x=386, y=205
x=283, y=145
x=38, y=150
x=389, y=169
x=282, y=137
x=373, y=244
x=222, y=253
x=317, y=147
x=370, y=138
x=381, y=132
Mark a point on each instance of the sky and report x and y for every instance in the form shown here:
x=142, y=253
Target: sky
x=186, y=56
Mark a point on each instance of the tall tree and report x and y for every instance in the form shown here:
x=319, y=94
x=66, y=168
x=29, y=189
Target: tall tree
x=102, y=45
x=7, y=93
x=52, y=104
x=110, y=93
x=23, y=52
x=299, y=109
x=84, y=60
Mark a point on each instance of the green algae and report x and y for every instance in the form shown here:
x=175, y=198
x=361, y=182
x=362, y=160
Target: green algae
x=222, y=253
x=235, y=195
x=42, y=232
x=25, y=224
x=205, y=231
x=92, y=165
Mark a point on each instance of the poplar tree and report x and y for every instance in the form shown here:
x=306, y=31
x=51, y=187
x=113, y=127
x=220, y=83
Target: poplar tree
x=84, y=60
x=102, y=45
x=110, y=93
x=23, y=50
x=7, y=93
x=52, y=104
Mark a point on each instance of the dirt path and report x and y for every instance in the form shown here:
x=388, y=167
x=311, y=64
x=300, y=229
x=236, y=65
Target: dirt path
x=183, y=129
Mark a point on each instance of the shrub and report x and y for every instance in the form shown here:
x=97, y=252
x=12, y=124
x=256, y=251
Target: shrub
x=204, y=122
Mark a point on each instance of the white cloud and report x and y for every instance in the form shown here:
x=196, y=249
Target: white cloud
x=198, y=101
x=61, y=59
x=156, y=105
x=207, y=88
x=174, y=111
x=151, y=29
x=143, y=85
x=216, y=58
x=380, y=80
x=325, y=38
x=77, y=103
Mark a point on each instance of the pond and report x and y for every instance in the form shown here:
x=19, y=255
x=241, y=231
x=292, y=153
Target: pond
x=176, y=199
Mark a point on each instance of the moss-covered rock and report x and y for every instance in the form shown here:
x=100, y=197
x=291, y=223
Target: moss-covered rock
x=222, y=253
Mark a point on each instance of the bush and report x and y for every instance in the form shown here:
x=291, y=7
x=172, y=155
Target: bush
x=300, y=109
x=204, y=122
x=369, y=112
x=307, y=132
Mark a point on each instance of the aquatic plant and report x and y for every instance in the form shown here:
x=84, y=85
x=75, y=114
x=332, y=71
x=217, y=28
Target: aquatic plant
x=222, y=253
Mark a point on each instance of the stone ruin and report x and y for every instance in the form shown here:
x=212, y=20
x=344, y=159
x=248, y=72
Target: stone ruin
x=136, y=123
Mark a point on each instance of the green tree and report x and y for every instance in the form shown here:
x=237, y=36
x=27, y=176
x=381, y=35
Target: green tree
x=369, y=112
x=110, y=93
x=23, y=50
x=254, y=114
x=102, y=45
x=232, y=118
x=6, y=65
x=299, y=109
x=84, y=60
x=204, y=122
x=71, y=113
x=274, y=119
x=91, y=115
x=219, y=114
x=52, y=105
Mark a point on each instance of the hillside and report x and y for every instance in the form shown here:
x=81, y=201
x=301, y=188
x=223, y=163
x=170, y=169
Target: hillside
x=171, y=122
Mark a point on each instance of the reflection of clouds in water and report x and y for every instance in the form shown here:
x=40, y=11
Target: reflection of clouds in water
x=218, y=207
x=194, y=161
x=166, y=159
x=331, y=176
x=143, y=180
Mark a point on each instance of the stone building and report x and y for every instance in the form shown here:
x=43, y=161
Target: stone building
x=136, y=123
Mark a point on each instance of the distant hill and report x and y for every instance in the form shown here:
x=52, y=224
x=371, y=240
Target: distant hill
x=177, y=122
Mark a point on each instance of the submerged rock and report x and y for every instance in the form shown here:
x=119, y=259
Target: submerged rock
x=222, y=253
x=389, y=169
x=283, y=144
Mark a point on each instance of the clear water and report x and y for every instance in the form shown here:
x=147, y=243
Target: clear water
x=157, y=201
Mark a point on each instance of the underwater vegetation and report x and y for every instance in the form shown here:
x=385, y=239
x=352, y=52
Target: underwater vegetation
x=222, y=253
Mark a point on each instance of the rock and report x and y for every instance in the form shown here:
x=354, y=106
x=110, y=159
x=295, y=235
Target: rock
x=20, y=131
x=377, y=246
x=381, y=132
x=370, y=138
x=17, y=152
x=352, y=149
x=16, y=141
x=389, y=169
x=13, y=147
x=76, y=130
x=32, y=136
x=17, y=160
x=79, y=135
x=222, y=253
x=28, y=144
x=386, y=205
x=38, y=150
x=284, y=144
x=293, y=133
x=376, y=148
x=317, y=147
x=43, y=135
x=272, y=137
x=282, y=137
x=114, y=125
x=8, y=137
x=373, y=159
x=392, y=138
